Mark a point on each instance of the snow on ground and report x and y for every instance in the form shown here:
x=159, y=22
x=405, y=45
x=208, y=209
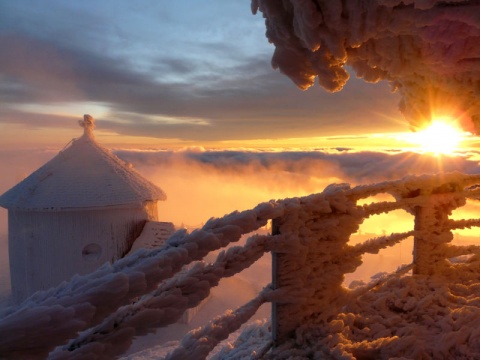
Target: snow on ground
x=421, y=317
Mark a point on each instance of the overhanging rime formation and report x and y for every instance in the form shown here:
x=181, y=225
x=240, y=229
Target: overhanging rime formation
x=428, y=50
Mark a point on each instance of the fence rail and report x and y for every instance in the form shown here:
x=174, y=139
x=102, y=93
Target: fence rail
x=97, y=315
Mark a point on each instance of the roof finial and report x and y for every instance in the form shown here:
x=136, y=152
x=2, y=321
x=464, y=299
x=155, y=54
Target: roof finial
x=88, y=124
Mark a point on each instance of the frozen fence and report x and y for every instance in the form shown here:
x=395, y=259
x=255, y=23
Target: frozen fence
x=310, y=272
x=97, y=315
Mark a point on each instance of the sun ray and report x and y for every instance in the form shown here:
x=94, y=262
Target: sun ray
x=442, y=137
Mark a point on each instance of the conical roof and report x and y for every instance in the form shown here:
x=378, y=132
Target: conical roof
x=83, y=175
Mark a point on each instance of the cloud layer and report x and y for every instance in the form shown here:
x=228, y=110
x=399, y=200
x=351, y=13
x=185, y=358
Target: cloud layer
x=200, y=184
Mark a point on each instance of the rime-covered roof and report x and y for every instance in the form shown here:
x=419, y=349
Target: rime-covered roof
x=83, y=175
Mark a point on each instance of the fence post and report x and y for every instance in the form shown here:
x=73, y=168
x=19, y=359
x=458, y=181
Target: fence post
x=432, y=234
x=275, y=285
x=423, y=240
x=312, y=274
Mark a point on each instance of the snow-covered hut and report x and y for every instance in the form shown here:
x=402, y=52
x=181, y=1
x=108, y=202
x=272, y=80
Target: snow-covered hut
x=81, y=209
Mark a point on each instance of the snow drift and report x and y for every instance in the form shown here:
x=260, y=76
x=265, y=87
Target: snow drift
x=428, y=50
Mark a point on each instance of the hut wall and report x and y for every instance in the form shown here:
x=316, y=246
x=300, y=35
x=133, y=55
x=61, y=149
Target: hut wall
x=46, y=248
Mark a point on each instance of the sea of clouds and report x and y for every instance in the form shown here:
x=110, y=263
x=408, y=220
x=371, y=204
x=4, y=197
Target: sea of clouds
x=201, y=184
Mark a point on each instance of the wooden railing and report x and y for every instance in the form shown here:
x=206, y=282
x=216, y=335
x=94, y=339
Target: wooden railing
x=97, y=315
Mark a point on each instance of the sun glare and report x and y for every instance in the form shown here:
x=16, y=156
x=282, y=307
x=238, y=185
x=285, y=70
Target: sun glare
x=441, y=137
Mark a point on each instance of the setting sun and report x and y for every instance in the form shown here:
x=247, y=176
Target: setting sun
x=441, y=137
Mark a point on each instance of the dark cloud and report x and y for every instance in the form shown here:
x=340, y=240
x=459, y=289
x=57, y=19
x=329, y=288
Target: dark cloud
x=50, y=73
x=174, y=67
x=38, y=120
x=248, y=96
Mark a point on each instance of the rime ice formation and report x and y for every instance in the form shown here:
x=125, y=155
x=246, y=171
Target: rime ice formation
x=88, y=123
x=430, y=313
x=427, y=50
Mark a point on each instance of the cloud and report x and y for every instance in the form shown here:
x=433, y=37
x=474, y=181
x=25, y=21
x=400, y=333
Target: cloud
x=146, y=77
x=249, y=96
x=350, y=165
x=427, y=50
x=200, y=184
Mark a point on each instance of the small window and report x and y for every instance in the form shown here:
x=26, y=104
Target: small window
x=91, y=252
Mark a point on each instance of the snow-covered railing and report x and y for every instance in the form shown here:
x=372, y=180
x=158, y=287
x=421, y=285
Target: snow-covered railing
x=98, y=315
x=310, y=271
